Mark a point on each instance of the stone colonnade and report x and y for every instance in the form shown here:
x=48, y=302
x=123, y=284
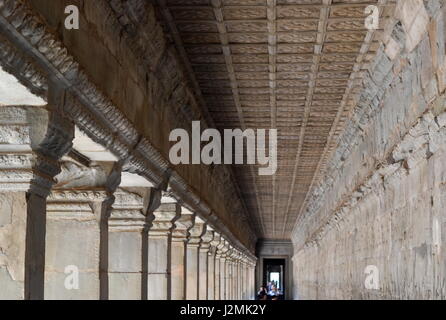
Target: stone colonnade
x=89, y=208
x=78, y=227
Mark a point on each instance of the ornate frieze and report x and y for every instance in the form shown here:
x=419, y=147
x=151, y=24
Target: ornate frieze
x=27, y=73
x=32, y=140
x=72, y=204
x=127, y=211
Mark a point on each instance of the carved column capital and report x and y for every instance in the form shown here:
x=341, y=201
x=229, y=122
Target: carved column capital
x=74, y=204
x=163, y=218
x=235, y=256
x=232, y=254
x=215, y=243
x=196, y=232
x=32, y=140
x=182, y=225
x=244, y=260
x=127, y=211
x=221, y=247
x=206, y=240
x=226, y=251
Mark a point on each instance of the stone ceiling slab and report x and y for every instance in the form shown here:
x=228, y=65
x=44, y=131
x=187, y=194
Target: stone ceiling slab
x=293, y=65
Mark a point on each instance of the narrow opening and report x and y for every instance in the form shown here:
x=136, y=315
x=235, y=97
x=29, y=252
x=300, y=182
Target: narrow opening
x=274, y=278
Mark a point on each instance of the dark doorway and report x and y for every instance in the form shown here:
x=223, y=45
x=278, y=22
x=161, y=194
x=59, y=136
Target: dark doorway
x=274, y=274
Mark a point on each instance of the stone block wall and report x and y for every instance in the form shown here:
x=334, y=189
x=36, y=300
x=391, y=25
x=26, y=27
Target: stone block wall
x=379, y=211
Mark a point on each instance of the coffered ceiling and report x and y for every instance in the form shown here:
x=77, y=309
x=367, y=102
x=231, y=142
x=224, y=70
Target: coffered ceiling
x=293, y=65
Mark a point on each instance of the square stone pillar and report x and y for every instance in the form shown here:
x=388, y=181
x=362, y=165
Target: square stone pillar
x=228, y=282
x=245, y=281
x=192, y=258
x=179, y=237
x=72, y=244
x=235, y=275
x=218, y=268
x=76, y=211
x=32, y=140
x=236, y=279
x=253, y=288
x=210, y=275
x=203, y=264
x=213, y=268
x=240, y=279
x=249, y=284
x=223, y=275
x=159, y=248
x=125, y=245
x=216, y=277
x=224, y=270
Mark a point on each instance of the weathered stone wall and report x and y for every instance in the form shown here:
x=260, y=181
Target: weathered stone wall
x=382, y=200
x=122, y=48
x=12, y=245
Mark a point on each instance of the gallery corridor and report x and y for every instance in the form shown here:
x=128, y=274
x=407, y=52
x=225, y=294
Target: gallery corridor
x=201, y=149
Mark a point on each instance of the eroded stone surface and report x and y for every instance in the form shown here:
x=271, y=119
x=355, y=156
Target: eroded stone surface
x=380, y=202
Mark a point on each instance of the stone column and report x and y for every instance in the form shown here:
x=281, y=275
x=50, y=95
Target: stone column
x=224, y=270
x=248, y=281
x=253, y=288
x=237, y=277
x=204, y=264
x=179, y=238
x=32, y=140
x=234, y=278
x=249, y=284
x=125, y=244
x=242, y=278
x=192, y=258
x=245, y=279
x=72, y=243
x=228, y=275
x=213, y=267
x=159, y=248
x=218, y=268
x=223, y=276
